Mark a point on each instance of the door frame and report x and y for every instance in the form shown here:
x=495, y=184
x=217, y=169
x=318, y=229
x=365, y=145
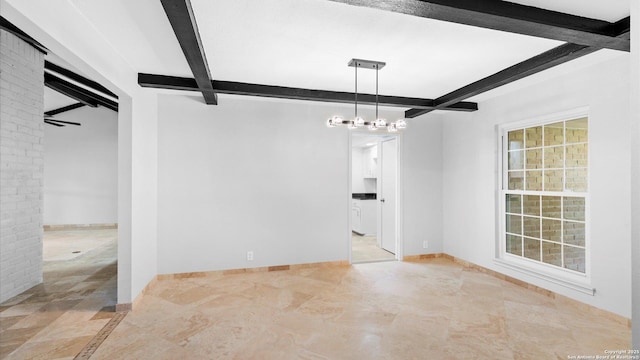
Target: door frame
x=399, y=191
x=379, y=186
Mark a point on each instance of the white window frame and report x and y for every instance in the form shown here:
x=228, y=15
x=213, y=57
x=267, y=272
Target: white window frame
x=568, y=278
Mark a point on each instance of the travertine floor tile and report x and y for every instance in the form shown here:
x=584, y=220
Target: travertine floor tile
x=434, y=309
x=57, y=318
x=388, y=310
x=365, y=249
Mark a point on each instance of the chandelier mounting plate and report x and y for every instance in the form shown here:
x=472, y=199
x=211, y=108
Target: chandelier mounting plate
x=367, y=64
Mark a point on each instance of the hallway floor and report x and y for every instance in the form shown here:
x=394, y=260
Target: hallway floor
x=57, y=318
x=364, y=248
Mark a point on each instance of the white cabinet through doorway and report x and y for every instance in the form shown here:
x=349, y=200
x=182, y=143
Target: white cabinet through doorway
x=363, y=216
x=370, y=162
x=356, y=219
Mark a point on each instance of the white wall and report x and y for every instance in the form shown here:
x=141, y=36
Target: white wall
x=264, y=176
x=470, y=174
x=249, y=175
x=635, y=168
x=144, y=188
x=357, y=173
x=422, y=185
x=81, y=168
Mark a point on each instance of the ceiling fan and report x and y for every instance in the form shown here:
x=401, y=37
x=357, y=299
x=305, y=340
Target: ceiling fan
x=59, y=123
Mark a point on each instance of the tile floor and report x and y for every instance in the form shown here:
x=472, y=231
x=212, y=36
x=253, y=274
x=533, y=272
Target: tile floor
x=433, y=309
x=365, y=249
x=57, y=318
x=387, y=310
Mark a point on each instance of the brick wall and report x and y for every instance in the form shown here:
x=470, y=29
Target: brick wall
x=21, y=165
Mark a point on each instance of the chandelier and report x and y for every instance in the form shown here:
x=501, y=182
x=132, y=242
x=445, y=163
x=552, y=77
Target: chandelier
x=359, y=122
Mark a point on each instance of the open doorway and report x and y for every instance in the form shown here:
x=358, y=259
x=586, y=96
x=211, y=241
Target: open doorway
x=374, y=205
x=62, y=127
x=75, y=123
x=80, y=196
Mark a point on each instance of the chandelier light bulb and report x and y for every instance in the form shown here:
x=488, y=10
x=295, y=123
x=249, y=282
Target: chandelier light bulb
x=358, y=121
x=373, y=126
x=392, y=128
x=380, y=123
x=334, y=121
x=330, y=123
x=401, y=124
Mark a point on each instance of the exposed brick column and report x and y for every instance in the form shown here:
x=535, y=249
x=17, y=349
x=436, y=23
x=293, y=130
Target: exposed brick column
x=21, y=165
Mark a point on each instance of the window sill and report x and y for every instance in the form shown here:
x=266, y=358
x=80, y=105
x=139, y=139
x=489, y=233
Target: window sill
x=570, y=284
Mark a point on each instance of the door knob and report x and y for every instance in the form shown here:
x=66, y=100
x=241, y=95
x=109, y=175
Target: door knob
x=381, y=200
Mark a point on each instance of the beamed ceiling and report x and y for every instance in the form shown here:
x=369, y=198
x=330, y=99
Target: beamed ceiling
x=440, y=54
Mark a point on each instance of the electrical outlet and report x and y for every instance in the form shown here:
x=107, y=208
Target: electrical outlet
x=250, y=255
x=425, y=244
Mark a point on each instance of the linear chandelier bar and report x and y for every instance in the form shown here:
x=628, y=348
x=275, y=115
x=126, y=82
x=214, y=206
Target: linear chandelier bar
x=358, y=121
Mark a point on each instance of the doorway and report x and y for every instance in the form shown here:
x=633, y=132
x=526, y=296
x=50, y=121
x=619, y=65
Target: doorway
x=80, y=185
x=374, y=206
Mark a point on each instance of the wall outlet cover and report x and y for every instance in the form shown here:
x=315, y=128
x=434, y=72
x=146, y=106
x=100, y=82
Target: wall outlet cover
x=250, y=255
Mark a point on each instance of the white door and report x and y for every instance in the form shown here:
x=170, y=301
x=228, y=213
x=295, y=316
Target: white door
x=356, y=220
x=388, y=163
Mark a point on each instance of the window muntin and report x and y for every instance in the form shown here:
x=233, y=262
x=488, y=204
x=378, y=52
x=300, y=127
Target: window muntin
x=545, y=194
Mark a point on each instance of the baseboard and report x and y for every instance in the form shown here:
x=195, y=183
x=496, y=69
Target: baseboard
x=123, y=307
x=79, y=227
x=558, y=297
x=416, y=258
x=252, y=270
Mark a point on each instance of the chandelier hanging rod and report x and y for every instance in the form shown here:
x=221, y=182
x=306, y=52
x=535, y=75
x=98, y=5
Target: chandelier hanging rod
x=358, y=121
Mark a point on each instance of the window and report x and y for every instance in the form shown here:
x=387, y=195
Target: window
x=545, y=195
